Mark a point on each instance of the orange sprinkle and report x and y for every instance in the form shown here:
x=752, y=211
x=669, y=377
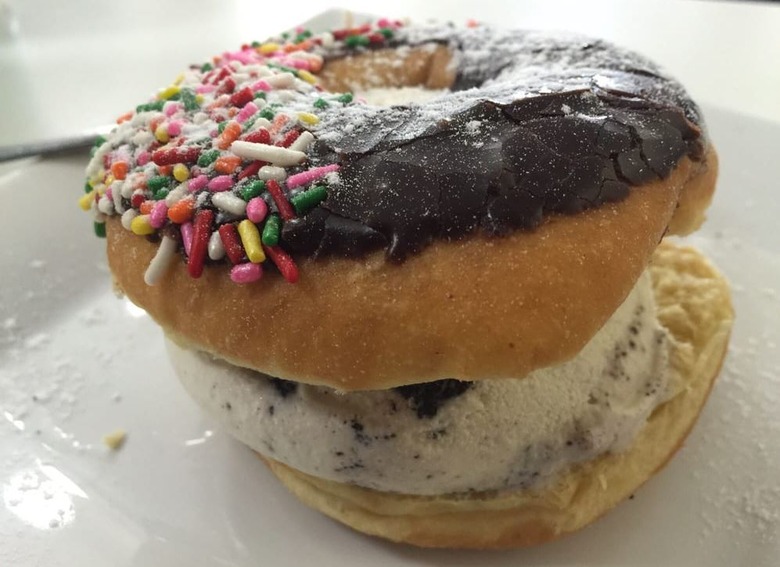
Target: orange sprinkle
x=229, y=135
x=146, y=207
x=182, y=211
x=119, y=170
x=315, y=65
x=278, y=124
x=227, y=164
x=125, y=117
x=165, y=170
x=232, y=111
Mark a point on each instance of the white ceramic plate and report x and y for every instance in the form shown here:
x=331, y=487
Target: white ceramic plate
x=77, y=363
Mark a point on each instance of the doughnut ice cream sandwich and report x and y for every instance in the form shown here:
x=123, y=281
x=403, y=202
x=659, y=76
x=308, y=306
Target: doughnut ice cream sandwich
x=422, y=270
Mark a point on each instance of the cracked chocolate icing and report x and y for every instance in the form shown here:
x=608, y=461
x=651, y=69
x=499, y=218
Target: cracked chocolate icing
x=536, y=124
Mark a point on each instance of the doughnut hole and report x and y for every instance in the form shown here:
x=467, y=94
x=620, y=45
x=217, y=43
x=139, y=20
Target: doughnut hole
x=392, y=76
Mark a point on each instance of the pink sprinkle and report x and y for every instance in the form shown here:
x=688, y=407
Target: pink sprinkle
x=143, y=157
x=110, y=193
x=384, y=23
x=310, y=175
x=203, y=89
x=256, y=209
x=247, y=112
x=186, y=236
x=246, y=273
x=244, y=57
x=221, y=183
x=197, y=183
x=171, y=107
x=174, y=127
x=158, y=214
x=296, y=63
x=261, y=85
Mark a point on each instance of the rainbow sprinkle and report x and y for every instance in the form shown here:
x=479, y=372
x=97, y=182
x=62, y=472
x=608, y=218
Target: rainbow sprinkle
x=217, y=162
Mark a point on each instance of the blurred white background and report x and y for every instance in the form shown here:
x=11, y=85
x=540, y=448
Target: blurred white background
x=70, y=66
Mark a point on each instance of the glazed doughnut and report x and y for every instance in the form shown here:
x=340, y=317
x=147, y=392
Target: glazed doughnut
x=366, y=295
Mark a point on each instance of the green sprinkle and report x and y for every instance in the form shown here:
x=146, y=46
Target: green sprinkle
x=176, y=96
x=99, y=141
x=356, y=40
x=285, y=35
x=252, y=190
x=346, y=98
x=161, y=194
x=321, y=103
x=307, y=200
x=100, y=229
x=267, y=113
x=249, y=123
x=260, y=94
x=387, y=32
x=149, y=106
x=159, y=182
x=271, y=230
x=221, y=126
x=87, y=187
x=256, y=44
x=206, y=67
x=208, y=157
x=189, y=100
x=283, y=68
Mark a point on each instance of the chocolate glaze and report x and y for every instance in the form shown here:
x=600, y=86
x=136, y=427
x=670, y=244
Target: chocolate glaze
x=535, y=125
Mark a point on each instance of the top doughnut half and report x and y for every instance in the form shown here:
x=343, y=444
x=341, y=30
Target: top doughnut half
x=484, y=234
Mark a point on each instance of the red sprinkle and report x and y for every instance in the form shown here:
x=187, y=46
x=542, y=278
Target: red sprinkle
x=251, y=169
x=289, y=138
x=376, y=38
x=171, y=156
x=232, y=243
x=201, y=231
x=224, y=72
x=242, y=97
x=227, y=86
x=136, y=200
x=284, y=262
x=285, y=209
x=259, y=136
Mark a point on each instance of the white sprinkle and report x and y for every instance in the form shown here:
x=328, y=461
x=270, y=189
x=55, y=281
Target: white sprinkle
x=116, y=194
x=127, y=186
x=200, y=118
x=176, y=195
x=127, y=218
x=142, y=139
x=261, y=122
x=274, y=154
x=327, y=39
x=302, y=143
x=268, y=172
x=229, y=203
x=216, y=248
x=105, y=205
x=162, y=259
x=281, y=80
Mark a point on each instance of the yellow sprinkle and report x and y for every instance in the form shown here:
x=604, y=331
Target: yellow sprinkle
x=167, y=93
x=179, y=79
x=306, y=76
x=199, y=98
x=308, y=118
x=95, y=180
x=109, y=180
x=85, y=201
x=161, y=133
x=250, y=238
x=180, y=172
x=267, y=48
x=140, y=225
x=115, y=440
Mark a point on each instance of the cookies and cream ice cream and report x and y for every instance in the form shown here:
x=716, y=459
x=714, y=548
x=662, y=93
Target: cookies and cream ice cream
x=451, y=436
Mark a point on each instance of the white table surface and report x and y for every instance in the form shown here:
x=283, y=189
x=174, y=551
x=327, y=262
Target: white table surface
x=69, y=66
